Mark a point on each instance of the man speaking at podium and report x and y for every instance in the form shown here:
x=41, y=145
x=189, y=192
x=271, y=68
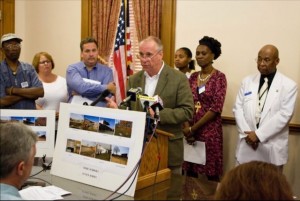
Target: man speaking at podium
x=172, y=86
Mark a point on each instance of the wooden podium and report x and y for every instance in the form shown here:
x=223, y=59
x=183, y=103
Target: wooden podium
x=157, y=147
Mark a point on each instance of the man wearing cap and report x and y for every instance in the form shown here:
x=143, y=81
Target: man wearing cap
x=19, y=83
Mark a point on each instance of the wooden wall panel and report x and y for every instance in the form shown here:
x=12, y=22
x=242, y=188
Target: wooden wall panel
x=7, y=20
x=167, y=33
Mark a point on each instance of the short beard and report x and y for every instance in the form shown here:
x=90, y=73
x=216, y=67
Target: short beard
x=14, y=57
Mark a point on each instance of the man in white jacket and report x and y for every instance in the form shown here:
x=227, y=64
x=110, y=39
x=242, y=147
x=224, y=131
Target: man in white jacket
x=263, y=130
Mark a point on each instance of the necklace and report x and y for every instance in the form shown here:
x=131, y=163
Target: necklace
x=14, y=72
x=204, y=79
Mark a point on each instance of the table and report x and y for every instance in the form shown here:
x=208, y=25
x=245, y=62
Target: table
x=178, y=187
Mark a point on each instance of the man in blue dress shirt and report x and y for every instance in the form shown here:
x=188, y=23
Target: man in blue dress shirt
x=88, y=78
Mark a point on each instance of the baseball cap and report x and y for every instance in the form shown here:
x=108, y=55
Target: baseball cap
x=9, y=36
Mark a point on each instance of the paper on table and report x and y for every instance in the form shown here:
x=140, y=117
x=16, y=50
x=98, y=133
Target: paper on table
x=195, y=153
x=56, y=190
x=43, y=193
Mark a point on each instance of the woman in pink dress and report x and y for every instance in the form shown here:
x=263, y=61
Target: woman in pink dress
x=209, y=89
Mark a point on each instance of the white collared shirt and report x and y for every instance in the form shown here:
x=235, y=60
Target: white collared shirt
x=151, y=82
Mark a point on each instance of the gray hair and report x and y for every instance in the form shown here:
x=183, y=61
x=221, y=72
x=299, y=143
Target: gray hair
x=154, y=39
x=16, y=141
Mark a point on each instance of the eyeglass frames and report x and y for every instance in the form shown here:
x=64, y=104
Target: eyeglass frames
x=147, y=56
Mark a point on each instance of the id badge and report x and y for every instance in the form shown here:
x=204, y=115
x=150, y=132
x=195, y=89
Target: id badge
x=24, y=84
x=201, y=89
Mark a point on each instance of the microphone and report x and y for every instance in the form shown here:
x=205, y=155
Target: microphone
x=146, y=106
x=156, y=107
x=156, y=115
x=101, y=97
x=132, y=94
x=158, y=103
x=155, y=103
x=146, y=101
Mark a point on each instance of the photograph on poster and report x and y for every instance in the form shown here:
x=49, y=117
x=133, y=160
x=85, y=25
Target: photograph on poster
x=76, y=120
x=88, y=148
x=73, y=146
x=107, y=125
x=103, y=151
x=42, y=135
x=42, y=122
x=120, y=154
x=90, y=123
x=99, y=145
x=123, y=128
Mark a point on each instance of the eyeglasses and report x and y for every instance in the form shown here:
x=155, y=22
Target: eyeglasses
x=12, y=46
x=264, y=60
x=147, y=56
x=45, y=62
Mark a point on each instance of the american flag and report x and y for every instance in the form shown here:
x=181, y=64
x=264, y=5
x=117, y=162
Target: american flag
x=120, y=56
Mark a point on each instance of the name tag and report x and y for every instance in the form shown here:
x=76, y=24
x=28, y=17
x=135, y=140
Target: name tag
x=24, y=84
x=248, y=93
x=201, y=89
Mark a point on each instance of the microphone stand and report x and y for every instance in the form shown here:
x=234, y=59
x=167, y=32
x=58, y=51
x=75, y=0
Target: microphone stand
x=125, y=105
x=101, y=97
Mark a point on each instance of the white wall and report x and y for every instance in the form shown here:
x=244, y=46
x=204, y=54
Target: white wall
x=243, y=27
x=53, y=26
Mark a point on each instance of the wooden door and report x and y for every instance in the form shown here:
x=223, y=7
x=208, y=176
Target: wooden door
x=7, y=18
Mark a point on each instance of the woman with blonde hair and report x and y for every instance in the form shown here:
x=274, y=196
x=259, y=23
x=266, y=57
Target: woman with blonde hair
x=55, y=86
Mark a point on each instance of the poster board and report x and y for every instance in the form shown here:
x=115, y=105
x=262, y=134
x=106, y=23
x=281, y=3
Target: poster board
x=42, y=123
x=98, y=146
